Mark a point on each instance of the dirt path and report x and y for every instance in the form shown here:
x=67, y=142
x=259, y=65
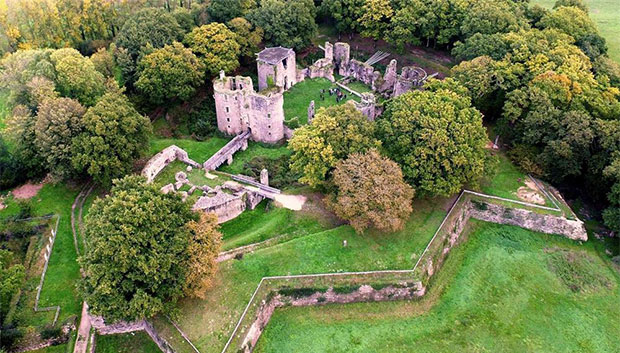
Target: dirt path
x=26, y=191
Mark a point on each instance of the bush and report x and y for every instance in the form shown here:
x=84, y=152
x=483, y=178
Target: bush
x=525, y=157
x=203, y=120
x=9, y=336
x=49, y=331
x=345, y=289
x=280, y=175
x=293, y=123
x=300, y=292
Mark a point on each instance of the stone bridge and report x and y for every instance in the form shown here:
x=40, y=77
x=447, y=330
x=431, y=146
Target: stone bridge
x=225, y=154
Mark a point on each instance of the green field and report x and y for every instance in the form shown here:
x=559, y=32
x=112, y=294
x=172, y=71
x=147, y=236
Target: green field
x=606, y=14
x=134, y=342
x=209, y=322
x=199, y=151
x=297, y=99
x=505, y=290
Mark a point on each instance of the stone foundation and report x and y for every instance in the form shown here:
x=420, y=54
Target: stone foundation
x=159, y=161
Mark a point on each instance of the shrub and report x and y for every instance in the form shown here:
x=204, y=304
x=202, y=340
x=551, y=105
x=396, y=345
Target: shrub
x=280, y=174
x=50, y=331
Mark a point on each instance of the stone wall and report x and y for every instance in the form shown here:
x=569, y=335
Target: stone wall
x=125, y=327
x=364, y=293
x=342, y=56
x=239, y=108
x=227, y=202
x=283, y=74
x=163, y=158
x=544, y=223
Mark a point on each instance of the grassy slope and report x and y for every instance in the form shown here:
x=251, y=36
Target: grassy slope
x=606, y=14
x=266, y=222
x=63, y=272
x=199, y=151
x=496, y=293
x=254, y=150
x=135, y=342
x=297, y=99
x=209, y=322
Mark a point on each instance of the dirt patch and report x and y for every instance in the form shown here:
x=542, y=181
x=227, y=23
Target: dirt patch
x=292, y=202
x=530, y=193
x=26, y=191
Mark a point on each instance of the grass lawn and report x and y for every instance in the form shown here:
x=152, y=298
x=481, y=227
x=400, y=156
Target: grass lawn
x=196, y=176
x=135, y=342
x=504, y=290
x=209, y=322
x=265, y=222
x=63, y=272
x=61, y=348
x=255, y=149
x=606, y=14
x=297, y=99
x=199, y=151
x=359, y=87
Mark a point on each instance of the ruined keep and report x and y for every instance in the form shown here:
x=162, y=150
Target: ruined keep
x=239, y=109
x=276, y=68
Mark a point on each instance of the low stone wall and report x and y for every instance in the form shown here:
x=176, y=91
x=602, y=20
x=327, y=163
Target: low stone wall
x=126, y=327
x=159, y=161
x=364, y=293
x=544, y=223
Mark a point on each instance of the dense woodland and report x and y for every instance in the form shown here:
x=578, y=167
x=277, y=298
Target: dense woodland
x=82, y=76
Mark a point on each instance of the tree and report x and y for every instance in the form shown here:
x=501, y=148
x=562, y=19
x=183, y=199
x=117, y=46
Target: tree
x=78, y=78
x=570, y=20
x=114, y=135
x=216, y=45
x=575, y=3
x=493, y=16
x=148, y=27
x=376, y=18
x=437, y=138
x=287, y=23
x=11, y=169
x=21, y=132
x=170, y=73
x=58, y=122
x=248, y=38
x=345, y=13
x=136, y=258
x=611, y=215
x=103, y=60
x=204, y=246
x=225, y=10
x=371, y=192
x=335, y=133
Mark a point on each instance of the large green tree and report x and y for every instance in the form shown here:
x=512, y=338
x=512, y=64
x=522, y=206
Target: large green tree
x=570, y=20
x=170, y=73
x=216, y=45
x=248, y=36
x=371, y=193
x=436, y=136
x=376, y=17
x=136, y=251
x=334, y=133
x=77, y=78
x=149, y=27
x=58, y=122
x=287, y=23
x=225, y=10
x=345, y=13
x=114, y=135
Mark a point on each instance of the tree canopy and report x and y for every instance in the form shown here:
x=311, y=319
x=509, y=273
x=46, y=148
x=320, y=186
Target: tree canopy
x=287, y=23
x=149, y=27
x=170, y=73
x=335, y=133
x=136, y=241
x=216, y=45
x=437, y=138
x=58, y=122
x=114, y=135
x=370, y=192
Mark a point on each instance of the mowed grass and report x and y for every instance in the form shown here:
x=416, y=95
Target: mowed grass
x=297, y=99
x=135, y=342
x=606, y=14
x=265, y=222
x=504, y=290
x=199, y=151
x=59, y=287
x=209, y=322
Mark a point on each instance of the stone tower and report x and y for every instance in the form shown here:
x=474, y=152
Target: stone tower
x=276, y=67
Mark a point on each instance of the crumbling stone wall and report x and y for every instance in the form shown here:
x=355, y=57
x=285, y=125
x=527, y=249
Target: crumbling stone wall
x=368, y=106
x=159, y=161
x=544, y=223
x=282, y=74
x=342, y=56
x=102, y=328
x=239, y=108
x=364, y=293
x=227, y=201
